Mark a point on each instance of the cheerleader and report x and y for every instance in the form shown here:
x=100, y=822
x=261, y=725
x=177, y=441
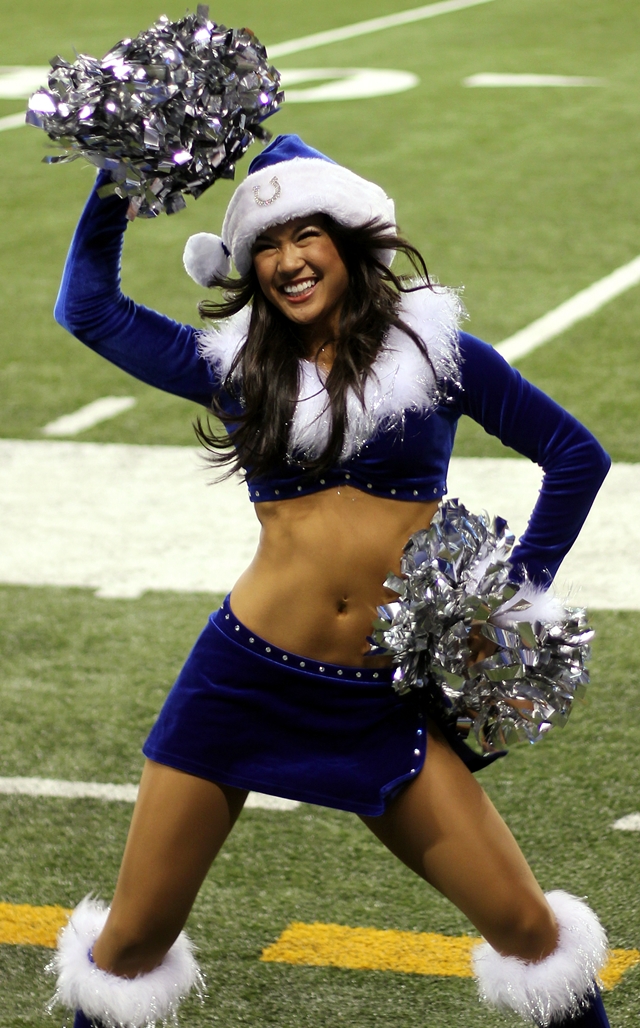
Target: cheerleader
x=338, y=386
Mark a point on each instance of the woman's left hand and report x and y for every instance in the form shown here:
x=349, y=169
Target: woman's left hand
x=481, y=648
x=479, y=645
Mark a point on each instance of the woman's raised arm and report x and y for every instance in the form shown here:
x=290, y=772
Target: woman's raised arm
x=91, y=306
x=524, y=418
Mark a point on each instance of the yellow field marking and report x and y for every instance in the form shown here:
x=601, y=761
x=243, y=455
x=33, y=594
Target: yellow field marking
x=620, y=960
x=372, y=949
x=320, y=945
x=369, y=949
x=24, y=925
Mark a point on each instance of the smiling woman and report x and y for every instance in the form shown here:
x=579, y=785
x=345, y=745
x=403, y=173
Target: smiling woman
x=301, y=271
x=339, y=385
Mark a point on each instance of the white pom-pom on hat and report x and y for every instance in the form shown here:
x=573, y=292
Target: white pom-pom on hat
x=206, y=259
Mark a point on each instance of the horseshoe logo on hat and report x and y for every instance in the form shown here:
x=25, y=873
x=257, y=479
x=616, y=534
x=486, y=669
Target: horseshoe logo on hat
x=277, y=189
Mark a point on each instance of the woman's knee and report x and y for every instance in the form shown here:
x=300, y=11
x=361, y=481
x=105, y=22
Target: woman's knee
x=524, y=927
x=127, y=948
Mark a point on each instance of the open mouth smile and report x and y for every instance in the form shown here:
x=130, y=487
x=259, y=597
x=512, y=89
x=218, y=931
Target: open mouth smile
x=301, y=290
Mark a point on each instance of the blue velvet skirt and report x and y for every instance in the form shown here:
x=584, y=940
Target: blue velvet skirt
x=245, y=713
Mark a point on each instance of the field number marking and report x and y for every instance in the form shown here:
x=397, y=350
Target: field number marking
x=57, y=788
x=579, y=307
x=629, y=823
x=12, y=121
x=493, y=79
x=373, y=949
x=20, y=81
x=349, y=84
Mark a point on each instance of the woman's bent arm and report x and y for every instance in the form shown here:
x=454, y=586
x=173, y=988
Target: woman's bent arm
x=91, y=306
x=524, y=418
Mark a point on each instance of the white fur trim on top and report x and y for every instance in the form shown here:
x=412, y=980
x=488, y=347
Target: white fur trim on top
x=556, y=986
x=531, y=603
x=295, y=189
x=400, y=379
x=118, y=1002
x=220, y=344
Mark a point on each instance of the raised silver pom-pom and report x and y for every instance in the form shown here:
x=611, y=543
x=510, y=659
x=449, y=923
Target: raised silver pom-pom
x=166, y=113
x=455, y=575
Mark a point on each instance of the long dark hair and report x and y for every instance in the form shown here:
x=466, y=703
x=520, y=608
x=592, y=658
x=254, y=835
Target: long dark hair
x=264, y=374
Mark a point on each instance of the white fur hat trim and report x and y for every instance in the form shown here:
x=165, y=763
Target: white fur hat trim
x=206, y=259
x=294, y=189
x=118, y=1002
x=554, y=987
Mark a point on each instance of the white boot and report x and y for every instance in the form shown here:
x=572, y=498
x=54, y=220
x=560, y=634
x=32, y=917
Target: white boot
x=555, y=989
x=108, y=999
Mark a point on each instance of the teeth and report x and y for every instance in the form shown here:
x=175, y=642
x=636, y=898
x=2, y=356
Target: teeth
x=295, y=288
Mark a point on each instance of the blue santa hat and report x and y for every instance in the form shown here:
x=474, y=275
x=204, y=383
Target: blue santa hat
x=287, y=180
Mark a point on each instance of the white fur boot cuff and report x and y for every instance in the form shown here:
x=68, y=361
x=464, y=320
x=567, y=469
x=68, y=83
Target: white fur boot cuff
x=554, y=987
x=118, y=1002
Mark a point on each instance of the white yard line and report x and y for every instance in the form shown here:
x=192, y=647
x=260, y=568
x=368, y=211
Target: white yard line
x=630, y=823
x=12, y=121
x=492, y=79
x=57, y=788
x=364, y=28
x=122, y=520
x=580, y=306
x=91, y=414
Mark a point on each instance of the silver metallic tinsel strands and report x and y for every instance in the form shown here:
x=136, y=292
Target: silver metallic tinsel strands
x=455, y=575
x=166, y=113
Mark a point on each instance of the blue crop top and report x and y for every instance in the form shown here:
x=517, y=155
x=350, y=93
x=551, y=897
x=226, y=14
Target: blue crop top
x=402, y=453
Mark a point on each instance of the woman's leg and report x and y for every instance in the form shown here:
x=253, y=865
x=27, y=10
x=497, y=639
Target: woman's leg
x=446, y=829
x=131, y=966
x=179, y=825
x=543, y=955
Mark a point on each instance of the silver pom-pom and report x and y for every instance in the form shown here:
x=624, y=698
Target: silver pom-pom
x=166, y=113
x=455, y=581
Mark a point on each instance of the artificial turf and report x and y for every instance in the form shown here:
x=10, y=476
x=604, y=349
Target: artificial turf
x=525, y=197
x=83, y=679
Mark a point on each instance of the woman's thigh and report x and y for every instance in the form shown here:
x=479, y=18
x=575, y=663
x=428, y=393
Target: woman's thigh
x=446, y=829
x=179, y=824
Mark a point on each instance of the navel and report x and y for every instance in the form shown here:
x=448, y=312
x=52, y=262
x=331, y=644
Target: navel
x=342, y=606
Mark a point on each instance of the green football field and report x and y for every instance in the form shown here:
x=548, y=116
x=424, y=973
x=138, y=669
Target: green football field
x=524, y=195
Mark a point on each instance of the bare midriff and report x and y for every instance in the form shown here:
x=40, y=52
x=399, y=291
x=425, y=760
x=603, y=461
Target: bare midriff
x=317, y=577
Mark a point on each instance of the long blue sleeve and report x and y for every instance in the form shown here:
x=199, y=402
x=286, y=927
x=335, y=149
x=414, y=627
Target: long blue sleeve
x=91, y=306
x=522, y=417
x=164, y=353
